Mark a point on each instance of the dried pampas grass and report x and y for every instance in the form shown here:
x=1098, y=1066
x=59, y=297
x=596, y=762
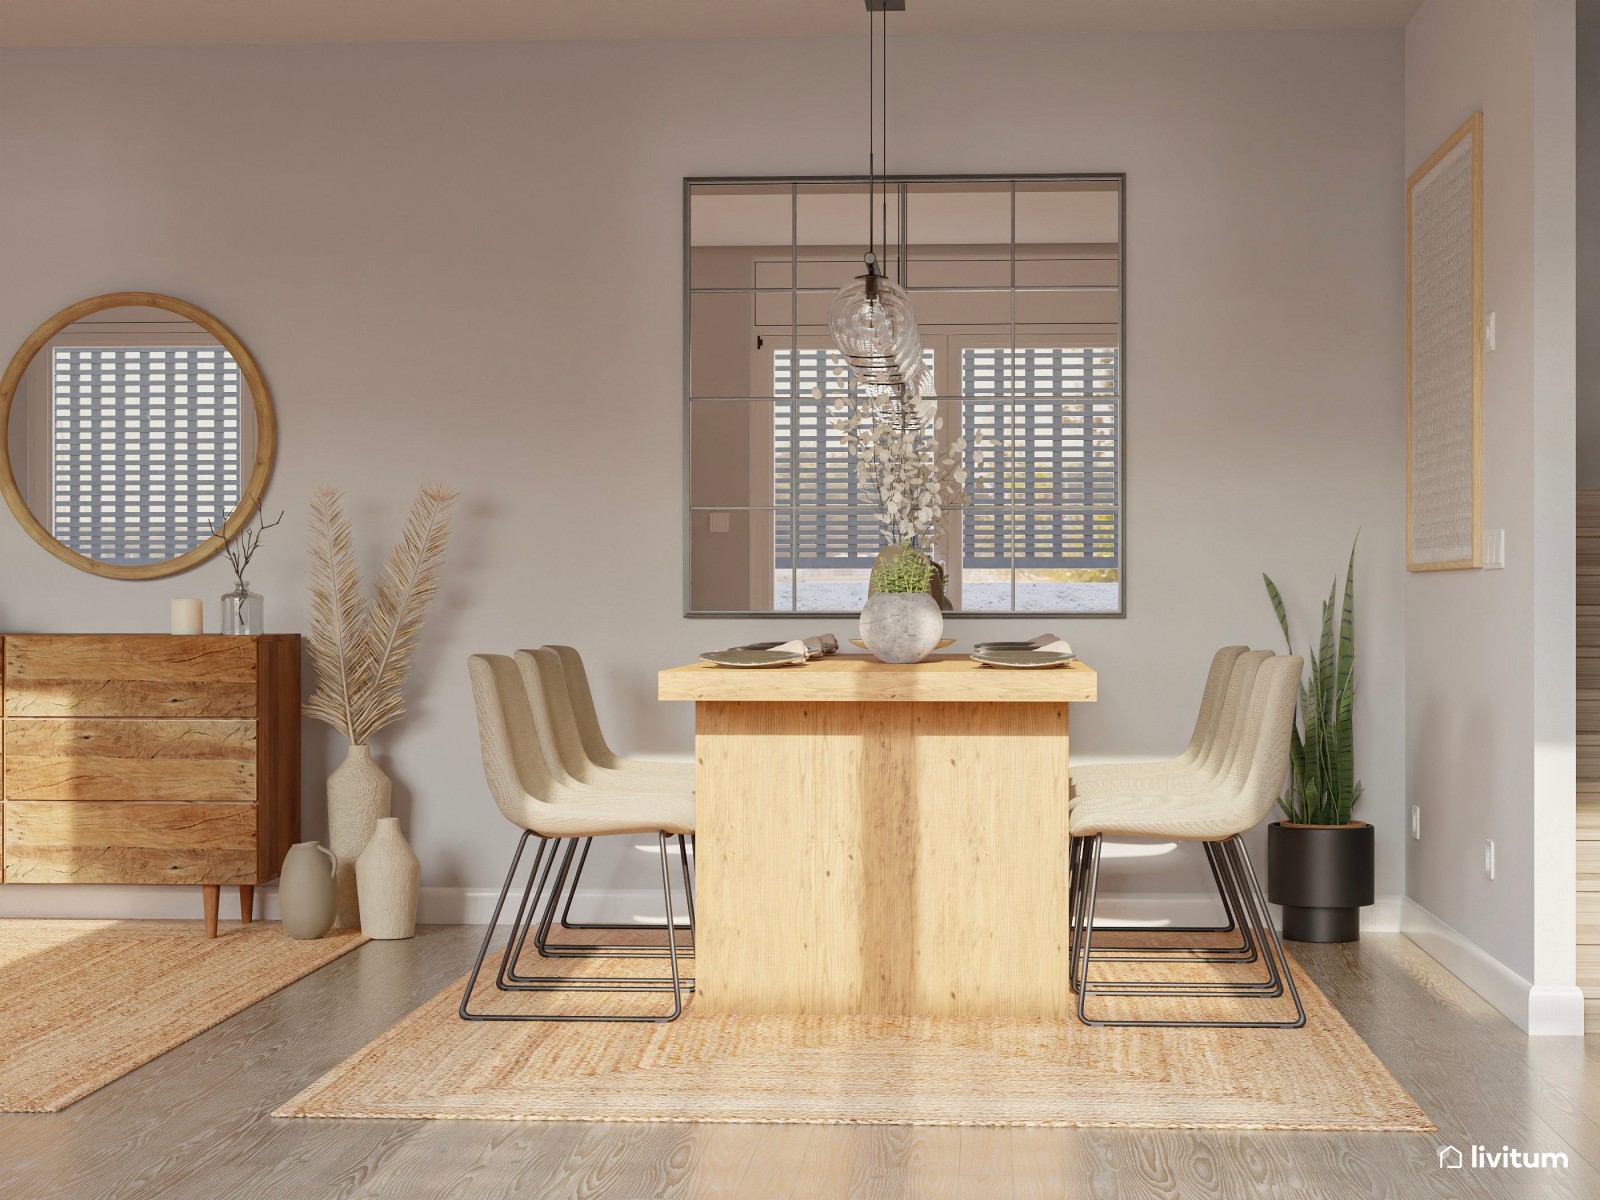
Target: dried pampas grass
x=362, y=652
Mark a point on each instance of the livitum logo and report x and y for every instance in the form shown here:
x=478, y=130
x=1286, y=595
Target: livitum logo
x=1485, y=1157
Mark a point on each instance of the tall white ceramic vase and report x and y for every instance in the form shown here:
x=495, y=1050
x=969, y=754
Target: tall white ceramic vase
x=358, y=797
x=387, y=874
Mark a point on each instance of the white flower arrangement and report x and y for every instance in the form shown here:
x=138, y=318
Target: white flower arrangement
x=898, y=461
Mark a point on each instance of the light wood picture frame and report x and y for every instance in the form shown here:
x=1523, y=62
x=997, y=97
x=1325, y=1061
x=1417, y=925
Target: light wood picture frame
x=1444, y=355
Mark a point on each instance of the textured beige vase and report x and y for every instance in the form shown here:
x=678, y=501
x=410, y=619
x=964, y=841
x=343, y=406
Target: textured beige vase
x=386, y=875
x=306, y=895
x=358, y=795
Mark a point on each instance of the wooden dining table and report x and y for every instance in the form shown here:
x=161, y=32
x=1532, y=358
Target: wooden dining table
x=881, y=839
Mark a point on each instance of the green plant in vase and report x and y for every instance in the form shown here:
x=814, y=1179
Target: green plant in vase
x=901, y=622
x=901, y=570
x=1320, y=862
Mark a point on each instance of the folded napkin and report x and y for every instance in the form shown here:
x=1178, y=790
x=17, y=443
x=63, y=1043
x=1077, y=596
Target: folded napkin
x=811, y=647
x=1050, y=643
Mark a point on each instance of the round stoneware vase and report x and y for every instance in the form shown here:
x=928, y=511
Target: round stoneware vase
x=386, y=876
x=901, y=627
x=358, y=795
x=306, y=895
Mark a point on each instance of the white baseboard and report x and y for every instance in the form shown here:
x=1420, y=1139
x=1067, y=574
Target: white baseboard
x=106, y=901
x=1544, y=1010
x=471, y=906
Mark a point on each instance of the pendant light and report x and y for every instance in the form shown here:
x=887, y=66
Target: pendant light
x=871, y=318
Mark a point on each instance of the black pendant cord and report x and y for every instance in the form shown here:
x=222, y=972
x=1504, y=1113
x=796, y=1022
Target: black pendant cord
x=872, y=130
x=883, y=125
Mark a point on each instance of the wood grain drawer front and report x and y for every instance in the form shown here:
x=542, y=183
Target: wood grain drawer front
x=193, y=761
x=130, y=843
x=130, y=676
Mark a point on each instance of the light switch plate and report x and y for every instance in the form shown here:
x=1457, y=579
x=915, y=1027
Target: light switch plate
x=1488, y=332
x=1488, y=858
x=1416, y=822
x=720, y=522
x=1494, y=549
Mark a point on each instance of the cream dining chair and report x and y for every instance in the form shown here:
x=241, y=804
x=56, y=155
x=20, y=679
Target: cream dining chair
x=555, y=722
x=1211, y=748
x=587, y=757
x=548, y=807
x=1093, y=775
x=1218, y=815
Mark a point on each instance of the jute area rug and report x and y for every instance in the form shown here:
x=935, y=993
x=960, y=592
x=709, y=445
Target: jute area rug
x=82, y=1003
x=862, y=1070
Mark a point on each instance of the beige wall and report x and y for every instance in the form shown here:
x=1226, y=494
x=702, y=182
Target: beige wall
x=463, y=262
x=1489, y=654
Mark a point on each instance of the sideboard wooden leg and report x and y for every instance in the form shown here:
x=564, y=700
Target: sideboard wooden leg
x=212, y=895
x=247, y=903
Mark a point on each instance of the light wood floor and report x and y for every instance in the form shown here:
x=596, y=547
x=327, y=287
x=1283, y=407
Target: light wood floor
x=193, y=1123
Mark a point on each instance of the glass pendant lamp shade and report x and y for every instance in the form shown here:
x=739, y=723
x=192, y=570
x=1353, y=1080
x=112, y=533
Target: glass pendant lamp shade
x=876, y=331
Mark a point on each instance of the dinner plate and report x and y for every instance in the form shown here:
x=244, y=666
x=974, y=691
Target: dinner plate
x=752, y=658
x=940, y=645
x=1023, y=660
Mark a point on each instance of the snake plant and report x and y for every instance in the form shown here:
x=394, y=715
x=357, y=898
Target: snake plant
x=1324, y=789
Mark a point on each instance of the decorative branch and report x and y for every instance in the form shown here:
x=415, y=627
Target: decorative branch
x=915, y=487
x=242, y=546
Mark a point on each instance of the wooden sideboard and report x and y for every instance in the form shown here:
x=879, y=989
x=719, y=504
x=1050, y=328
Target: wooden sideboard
x=149, y=759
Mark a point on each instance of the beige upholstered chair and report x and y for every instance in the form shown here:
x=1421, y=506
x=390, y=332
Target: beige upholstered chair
x=589, y=732
x=1218, y=751
x=1235, y=802
x=558, y=693
x=1211, y=750
x=546, y=805
x=1092, y=775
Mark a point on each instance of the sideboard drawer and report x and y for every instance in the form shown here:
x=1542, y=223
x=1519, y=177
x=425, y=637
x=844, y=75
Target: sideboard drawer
x=88, y=675
x=86, y=842
x=130, y=760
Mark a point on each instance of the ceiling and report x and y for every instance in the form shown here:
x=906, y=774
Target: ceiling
x=283, y=22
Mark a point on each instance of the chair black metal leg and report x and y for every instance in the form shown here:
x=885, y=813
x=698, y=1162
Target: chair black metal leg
x=570, y=876
x=1239, y=877
x=529, y=911
x=1226, y=953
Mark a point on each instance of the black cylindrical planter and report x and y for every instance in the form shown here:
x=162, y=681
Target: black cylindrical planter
x=1322, y=875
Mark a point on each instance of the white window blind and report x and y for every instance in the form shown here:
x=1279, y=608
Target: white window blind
x=1051, y=497
x=145, y=448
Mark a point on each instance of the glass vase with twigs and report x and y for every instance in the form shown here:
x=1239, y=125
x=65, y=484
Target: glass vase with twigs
x=243, y=611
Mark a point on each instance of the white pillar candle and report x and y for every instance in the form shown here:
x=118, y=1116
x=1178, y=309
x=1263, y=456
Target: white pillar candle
x=188, y=617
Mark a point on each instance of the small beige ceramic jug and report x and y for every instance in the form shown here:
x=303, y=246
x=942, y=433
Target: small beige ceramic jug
x=306, y=893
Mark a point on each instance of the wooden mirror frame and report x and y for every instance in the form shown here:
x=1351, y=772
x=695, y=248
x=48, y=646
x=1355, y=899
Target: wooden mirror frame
x=266, y=432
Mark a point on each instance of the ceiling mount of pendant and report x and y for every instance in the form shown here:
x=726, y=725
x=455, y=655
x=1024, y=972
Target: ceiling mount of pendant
x=886, y=5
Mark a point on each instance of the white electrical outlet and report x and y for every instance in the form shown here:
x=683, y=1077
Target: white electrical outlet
x=1416, y=822
x=1488, y=858
x=1488, y=332
x=1494, y=549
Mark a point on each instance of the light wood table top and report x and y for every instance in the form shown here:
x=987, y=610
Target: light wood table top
x=861, y=678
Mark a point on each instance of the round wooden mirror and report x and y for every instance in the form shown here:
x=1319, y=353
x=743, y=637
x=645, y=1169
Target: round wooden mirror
x=134, y=428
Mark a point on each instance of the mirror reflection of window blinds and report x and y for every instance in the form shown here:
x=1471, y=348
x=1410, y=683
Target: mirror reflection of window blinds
x=822, y=508
x=145, y=449
x=1056, y=477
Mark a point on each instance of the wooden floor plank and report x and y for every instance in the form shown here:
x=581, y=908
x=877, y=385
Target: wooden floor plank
x=195, y=1124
